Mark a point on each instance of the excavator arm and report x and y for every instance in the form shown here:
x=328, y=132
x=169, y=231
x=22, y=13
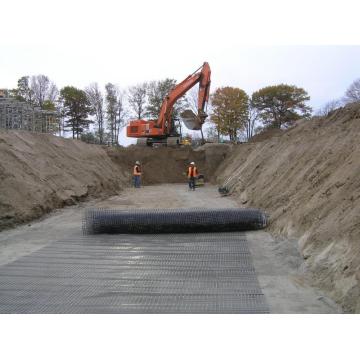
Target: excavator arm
x=201, y=76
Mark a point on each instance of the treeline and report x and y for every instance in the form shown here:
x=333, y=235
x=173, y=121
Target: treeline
x=239, y=116
x=106, y=110
x=233, y=113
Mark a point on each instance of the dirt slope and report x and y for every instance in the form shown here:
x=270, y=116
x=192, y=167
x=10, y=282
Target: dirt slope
x=40, y=172
x=308, y=180
x=168, y=165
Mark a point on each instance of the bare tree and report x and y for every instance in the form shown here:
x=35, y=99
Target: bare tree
x=212, y=134
x=353, y=92
x=116, y=110
x=121, y=114
x=192, y=99
x=328, y=107
x=253, y=116
x=43, y=89
x=111, y=109
x=137, y=99
x=96, y=100
x=62, y=116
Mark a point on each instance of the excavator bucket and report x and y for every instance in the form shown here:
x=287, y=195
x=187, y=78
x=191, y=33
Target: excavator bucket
x=191, y=120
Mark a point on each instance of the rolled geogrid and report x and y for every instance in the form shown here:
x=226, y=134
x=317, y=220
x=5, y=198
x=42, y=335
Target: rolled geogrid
x=158, y=221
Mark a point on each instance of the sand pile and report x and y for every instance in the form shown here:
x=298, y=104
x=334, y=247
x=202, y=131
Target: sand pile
x=40, y=172
x=308, y=180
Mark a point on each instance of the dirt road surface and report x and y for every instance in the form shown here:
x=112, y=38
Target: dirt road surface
x=276, y=261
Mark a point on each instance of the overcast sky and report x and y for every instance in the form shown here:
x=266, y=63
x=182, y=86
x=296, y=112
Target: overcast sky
x=248, y=44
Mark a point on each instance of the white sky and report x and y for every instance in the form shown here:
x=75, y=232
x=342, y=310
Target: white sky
x=248, y=44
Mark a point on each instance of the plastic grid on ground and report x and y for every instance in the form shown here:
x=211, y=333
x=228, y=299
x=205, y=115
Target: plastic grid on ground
x=163, y=273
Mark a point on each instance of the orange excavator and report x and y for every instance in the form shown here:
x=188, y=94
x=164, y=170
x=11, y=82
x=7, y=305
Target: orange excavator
x=162, y=130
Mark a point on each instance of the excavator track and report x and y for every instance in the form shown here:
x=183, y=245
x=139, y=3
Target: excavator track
x=173, y=141
x=142, y=142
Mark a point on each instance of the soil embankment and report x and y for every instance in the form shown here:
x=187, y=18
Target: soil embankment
x=168, y=165
x=41, y=172
x=308, y=180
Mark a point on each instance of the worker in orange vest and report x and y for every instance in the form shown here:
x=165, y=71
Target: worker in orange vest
x=192, y=174
x=137, y=174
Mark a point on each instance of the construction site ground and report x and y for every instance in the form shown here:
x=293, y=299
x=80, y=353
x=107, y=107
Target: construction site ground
x=277, y=262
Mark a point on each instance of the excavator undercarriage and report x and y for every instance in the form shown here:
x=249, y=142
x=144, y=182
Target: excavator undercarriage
x=168, y=141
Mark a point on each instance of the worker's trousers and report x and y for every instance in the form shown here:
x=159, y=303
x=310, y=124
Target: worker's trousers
x=137, y=181
x=191, y=183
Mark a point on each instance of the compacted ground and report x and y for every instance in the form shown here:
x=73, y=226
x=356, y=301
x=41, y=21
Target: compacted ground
x=48, y=266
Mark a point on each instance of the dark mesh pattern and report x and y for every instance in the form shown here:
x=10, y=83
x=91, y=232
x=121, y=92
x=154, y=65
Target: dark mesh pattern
x=157, y=221
x=162, y=273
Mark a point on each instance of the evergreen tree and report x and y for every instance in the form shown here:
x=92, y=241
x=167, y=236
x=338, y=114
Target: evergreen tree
x=76, y=109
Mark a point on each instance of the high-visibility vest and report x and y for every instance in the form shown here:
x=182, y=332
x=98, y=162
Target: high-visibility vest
x=137, y=170
x=192, y=171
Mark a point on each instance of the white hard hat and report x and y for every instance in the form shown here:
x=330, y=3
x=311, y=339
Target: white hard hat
x=192, y=163
x=137, y=162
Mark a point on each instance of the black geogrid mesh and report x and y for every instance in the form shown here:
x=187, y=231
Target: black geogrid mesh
x=157, y=221
x=128, y=273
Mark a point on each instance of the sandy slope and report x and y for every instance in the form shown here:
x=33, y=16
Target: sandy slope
x=40, y=172
x=308, y=180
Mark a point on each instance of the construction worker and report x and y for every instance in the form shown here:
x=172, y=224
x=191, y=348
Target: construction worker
x=137, y=174
x=192, y=174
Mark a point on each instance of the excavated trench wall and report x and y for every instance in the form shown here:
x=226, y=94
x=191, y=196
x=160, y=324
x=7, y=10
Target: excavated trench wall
x=169, y=165
x=308, y=180
x=41, y=172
